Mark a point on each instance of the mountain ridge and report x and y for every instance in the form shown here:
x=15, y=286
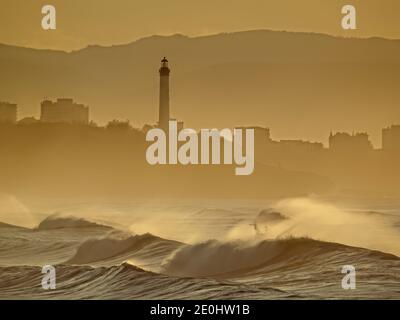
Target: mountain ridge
x=158, y=36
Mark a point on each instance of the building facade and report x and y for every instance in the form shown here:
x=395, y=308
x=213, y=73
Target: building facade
x=391, y=138
x=8, y=112
x=345, y=142
x=64, y=111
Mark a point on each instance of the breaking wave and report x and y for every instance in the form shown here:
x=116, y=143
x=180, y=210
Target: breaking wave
x=293, y=246
x=60, y=222
x=114, y=249
x=237, y=258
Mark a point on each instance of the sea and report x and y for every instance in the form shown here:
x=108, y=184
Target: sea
x=291, y=248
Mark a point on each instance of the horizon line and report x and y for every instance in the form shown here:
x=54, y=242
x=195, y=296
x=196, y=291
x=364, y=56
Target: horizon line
x=122, y=44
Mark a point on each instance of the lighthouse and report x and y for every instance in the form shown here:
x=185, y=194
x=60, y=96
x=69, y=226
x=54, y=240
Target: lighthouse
x=163, y=116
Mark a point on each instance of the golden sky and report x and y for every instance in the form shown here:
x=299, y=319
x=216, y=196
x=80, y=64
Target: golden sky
x=107, y=22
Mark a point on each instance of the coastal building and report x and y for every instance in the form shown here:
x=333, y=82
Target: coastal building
x=8, y=112
x=163, y=115
x=345, y=142
x=391, y=138
x=64, y=111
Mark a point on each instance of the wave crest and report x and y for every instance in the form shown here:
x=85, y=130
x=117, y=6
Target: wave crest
x=61, y=222
x=232, y=259
x=101, y=250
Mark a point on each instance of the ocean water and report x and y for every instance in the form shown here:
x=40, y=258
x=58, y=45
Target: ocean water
x=200, y=249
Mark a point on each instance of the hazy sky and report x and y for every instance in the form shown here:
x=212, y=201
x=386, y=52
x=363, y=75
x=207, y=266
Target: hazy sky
x=107, y=22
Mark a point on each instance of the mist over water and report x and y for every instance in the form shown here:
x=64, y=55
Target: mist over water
x=300, y=221
x=14, y=212
x=325, y=221
x=321, y=220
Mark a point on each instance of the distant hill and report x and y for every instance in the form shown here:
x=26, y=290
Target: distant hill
x=300, y=85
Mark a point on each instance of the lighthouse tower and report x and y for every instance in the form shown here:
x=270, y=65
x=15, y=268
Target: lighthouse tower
x=163, y=116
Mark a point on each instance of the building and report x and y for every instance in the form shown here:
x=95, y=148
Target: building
x=64, y=111
x=391, y=138
x=301, y=146
x=8, y=112
x=345, y=142
x=163, y=115
x=262, y=135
